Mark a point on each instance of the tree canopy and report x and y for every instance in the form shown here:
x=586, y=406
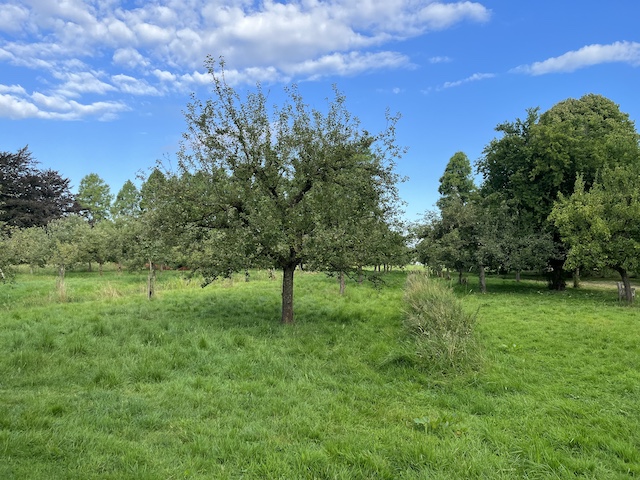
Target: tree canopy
x=94, y=197
x=256, y=182
x=539, y=158
x=602, y=226
x=30, y=196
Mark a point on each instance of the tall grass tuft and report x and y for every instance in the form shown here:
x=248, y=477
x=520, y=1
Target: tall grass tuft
x=440, y=329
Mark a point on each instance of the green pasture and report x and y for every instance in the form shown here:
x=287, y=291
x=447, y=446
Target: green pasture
x=206, y=383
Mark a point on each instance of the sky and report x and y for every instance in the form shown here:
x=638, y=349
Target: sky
x=100, y=86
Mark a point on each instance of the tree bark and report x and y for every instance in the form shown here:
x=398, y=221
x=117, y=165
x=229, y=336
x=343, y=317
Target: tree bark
x=151, y=281
x=517, y=275
x=556, y=275
x=576, y=278
x=287, y=293
x=483, y=280
x=628, y=294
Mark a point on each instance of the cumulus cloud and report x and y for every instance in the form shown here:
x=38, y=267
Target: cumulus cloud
x=18, y=104
x=134, y=86
x=590, y=55
x=77, y=83
x=130, y=58
x=84, y=48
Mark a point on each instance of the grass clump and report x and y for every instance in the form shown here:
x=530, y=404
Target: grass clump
x=440, y=328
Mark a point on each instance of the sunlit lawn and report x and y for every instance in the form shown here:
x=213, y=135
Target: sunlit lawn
x=205, y=383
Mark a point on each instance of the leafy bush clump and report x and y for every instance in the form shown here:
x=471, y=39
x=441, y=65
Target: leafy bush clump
x=440, y=329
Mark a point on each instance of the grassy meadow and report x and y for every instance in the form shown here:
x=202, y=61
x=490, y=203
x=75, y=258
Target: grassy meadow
x=205, y=383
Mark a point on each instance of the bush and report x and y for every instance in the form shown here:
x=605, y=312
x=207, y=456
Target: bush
x=441, y=330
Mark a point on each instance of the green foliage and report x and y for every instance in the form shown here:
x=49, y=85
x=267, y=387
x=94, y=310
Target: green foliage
x=539, y=158
x=94, y=197
x=263, y=185
x=440, y=327
x=457, y=180
x=602, y=226
x=127, y=202
x=30, y=246
x=66, y=236
x=448, y=238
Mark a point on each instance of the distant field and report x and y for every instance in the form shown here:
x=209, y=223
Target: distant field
x=206, y=383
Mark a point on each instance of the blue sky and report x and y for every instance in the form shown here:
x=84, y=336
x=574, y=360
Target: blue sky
x=99, y=86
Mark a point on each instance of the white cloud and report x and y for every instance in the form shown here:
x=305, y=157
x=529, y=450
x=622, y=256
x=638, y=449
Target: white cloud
x=130, y=58
x=163, y=75
x=12, y=17
x=78, y=83
x=439, y=60
x=41, y=106
x=13, y=89
x=348, y=64
x=618, y=52
x=134, y=86
x=16, y=107
x=70, y=43
x=473, y=78
x=438, y=16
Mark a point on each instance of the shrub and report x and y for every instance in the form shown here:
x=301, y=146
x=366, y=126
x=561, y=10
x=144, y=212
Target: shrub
x=441, y=331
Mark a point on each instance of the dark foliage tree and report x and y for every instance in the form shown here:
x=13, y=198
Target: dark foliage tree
x=30, y=196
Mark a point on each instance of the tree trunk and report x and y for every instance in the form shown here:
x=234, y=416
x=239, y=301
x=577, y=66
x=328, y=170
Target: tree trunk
x=151, y=281
x=460, y=274
x=287, y=293
x=100, y=268
x=483, y=280
x=60, y=286
x=556, y=275
x=628, y=294
x=90, y=266
x=342, y=283
x=517, y=275
x=576, y=278
x=246, y=275
x=360, y=274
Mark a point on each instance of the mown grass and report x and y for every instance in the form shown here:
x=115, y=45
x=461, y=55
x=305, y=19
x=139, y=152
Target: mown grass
x=205, y=383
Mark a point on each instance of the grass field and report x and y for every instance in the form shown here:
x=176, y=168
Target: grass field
x=205, y=383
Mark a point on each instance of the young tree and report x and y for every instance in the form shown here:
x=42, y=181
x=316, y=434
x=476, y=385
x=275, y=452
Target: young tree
x=448, y=238
x=251, y=178
x=66, y=236
x=94, y=197
x=31, y=246
x=602, y=226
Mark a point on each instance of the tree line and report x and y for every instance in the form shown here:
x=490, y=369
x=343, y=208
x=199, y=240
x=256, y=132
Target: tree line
x=258, y=185
x=559, y=191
